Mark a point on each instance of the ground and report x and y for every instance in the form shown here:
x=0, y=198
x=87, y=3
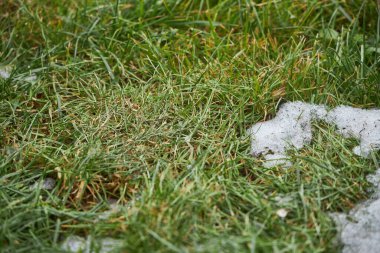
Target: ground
x=147, y=104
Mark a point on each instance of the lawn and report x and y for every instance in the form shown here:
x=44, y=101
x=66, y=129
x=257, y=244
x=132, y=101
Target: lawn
x=147, y=103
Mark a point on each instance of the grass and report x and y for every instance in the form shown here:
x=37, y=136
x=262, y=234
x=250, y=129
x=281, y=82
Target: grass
x=148, y=102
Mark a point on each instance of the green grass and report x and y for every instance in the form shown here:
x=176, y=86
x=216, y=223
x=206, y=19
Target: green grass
x=148, y=102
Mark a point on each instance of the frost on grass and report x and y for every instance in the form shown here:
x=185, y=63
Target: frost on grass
x=76, y=244
x=291, y=128
x=360, y=229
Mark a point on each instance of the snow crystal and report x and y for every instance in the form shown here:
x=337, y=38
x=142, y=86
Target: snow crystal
x=291, y=128
x=110, y=245
x=375, y=179
x=74, y=244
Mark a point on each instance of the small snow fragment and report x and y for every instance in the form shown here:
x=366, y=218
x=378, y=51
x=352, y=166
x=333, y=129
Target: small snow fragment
x=48, y=184
x=283, y=199
x=110, y=245
x=375, y=179
x=5, y=73
x=187, y=138
x=282, y=213
x=114, y=209
x=361, y=124
x=277, y=160
x=76, y=244
x=31, y=78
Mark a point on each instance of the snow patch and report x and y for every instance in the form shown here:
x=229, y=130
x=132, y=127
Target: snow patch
x=291, y=128
x=360, y=124
x=360, y=229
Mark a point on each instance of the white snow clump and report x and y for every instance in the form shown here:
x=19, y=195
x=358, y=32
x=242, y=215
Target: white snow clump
x=360, y=124
x=5, y=72
x=360, y=229
x=76, y=244
x=291, y=128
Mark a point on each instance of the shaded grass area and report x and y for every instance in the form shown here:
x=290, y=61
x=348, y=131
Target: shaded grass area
x=148, y=102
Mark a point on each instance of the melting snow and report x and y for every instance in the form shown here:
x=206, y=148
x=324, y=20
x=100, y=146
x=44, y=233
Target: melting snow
x=291, y=128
